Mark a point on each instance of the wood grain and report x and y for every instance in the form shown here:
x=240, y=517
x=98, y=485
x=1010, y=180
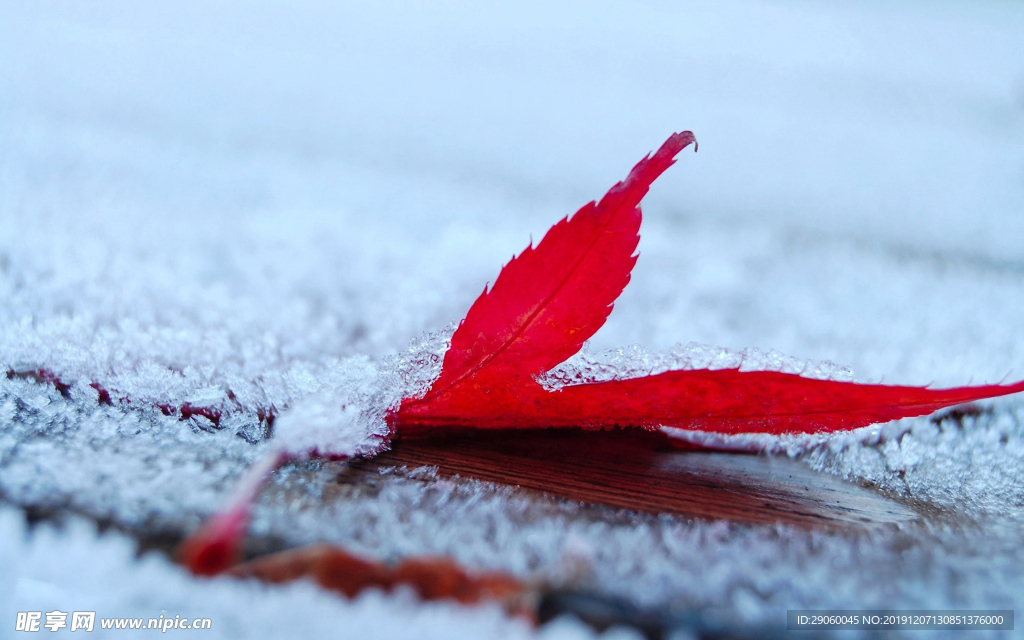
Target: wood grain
x=643, y=471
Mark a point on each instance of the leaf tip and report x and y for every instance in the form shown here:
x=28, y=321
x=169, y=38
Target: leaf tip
x=676, y=143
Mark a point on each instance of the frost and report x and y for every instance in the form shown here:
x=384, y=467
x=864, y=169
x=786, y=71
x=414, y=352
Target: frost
x=684, y=563
x=635, y=361
x=345, y=418
x=968, y=462
x=350, y=419
x=409, y=374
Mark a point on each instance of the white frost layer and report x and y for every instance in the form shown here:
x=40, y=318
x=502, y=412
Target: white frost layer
x=351, y=420
x=969, y=462
x=635, y=361
x=74, y=569
x=137, y=467
x=747, y=572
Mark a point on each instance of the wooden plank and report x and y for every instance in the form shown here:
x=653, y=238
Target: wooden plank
x=643, y=471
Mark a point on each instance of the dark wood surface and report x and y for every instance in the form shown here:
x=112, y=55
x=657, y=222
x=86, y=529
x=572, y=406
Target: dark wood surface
x=642, y=471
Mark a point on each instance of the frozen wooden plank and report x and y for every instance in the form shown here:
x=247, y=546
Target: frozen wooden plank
x=643, y=471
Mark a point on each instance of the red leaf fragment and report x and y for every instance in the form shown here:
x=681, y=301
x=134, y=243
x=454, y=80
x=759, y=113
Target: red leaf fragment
x=433, y=578
x=216, y=546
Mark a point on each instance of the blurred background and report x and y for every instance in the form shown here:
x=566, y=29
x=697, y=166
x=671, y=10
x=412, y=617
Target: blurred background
x=895, y=121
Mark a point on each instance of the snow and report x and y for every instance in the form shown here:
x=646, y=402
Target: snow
x=282, y=207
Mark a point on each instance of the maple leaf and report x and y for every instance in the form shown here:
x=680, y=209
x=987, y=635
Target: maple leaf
x=543, y=306
x=551, y=298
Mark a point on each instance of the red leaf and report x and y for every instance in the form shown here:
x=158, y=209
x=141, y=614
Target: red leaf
x=549, y=300
x=552, y=298
x=723, y=401
x=733, y=401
